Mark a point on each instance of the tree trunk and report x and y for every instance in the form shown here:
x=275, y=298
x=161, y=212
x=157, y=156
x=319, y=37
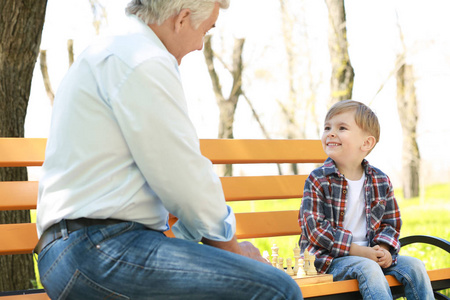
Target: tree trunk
x=342, y=74
x=408, y=113
x=20, y=37
x=227, y=106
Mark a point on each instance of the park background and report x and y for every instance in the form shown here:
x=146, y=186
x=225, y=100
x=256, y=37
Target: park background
x=373, y=45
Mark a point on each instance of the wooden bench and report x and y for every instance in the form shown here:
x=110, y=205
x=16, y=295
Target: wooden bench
x=16, y=239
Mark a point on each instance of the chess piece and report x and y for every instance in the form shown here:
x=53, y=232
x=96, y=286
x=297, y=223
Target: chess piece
x=274, y=255
x=289, y=269
x=266, y=255
x=296, y=258
x=310, y=269
x=301, y=268
x=280, y=264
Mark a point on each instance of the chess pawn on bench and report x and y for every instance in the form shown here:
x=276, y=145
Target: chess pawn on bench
x=301, y=268
x=274, y=255
x=289, y=269
x=280, y=264
x=310, y=269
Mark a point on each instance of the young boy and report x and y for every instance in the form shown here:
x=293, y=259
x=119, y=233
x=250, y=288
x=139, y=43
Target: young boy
x=349, y=216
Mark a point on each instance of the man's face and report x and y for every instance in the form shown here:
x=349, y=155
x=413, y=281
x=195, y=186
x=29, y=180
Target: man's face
x=192, y=39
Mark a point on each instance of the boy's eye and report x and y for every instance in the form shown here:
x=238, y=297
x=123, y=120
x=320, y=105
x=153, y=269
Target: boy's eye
x=342, y=128
x=327, y=128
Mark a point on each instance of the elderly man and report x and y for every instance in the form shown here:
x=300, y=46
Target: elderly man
x=122, y=154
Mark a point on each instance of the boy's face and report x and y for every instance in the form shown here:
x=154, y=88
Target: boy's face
x=343, y=139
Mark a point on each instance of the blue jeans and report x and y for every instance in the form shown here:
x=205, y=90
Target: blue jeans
x=409, y=271
x=129, y=261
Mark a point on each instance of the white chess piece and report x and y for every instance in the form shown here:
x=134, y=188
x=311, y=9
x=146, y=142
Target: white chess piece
x=289, y=269
x=310, y=269
x=280, y=264
x=296, y=258
x=266, y=255
x=274, y=255
x=301, y=268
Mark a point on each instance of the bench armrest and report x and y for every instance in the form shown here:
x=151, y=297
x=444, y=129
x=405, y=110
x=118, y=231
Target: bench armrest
x=426, y=239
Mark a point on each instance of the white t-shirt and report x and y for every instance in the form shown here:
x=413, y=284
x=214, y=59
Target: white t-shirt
x=122, y=146
x=355, y=211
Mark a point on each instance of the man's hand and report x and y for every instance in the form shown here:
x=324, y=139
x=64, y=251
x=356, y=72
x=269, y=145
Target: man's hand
x=251, y=251
x=244, y=248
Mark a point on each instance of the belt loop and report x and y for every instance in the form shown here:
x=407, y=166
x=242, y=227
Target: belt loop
x=63, y=224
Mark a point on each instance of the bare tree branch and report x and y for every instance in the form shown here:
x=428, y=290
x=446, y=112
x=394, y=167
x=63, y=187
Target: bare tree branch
x=45, y=76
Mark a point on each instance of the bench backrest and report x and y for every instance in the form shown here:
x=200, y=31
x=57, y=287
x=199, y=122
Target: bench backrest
x=22, y=152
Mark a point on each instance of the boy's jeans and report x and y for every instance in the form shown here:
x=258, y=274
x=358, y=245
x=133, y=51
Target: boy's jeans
x=127, y=260
x=409, y=271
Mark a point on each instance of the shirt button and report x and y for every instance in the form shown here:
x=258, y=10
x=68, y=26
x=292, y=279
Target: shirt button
x=342, y=213
x=344, y=191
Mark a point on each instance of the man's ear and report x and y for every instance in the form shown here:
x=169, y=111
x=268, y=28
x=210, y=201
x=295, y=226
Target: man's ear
x=182, y=19
x=369, y=143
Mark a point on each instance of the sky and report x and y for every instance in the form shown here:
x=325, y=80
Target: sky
x=373, y=45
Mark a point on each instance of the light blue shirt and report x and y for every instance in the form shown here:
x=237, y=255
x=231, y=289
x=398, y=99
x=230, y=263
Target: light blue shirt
x=122, y=146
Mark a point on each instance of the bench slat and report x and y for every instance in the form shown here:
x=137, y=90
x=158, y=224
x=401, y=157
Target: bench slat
x=17, y=238
x=37, y=296
x=267, y=224
x=18, y=195
x=263, y=187
x=262, y=151
x=22, y=152
x=261, y=224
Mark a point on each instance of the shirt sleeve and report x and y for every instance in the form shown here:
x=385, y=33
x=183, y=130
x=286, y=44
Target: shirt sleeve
x=152, y=114
x=317, y=220
x=389, y=230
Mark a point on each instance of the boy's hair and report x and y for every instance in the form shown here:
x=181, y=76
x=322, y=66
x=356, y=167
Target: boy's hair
x=365, y=118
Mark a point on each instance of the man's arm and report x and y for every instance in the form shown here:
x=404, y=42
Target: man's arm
x=244, y=248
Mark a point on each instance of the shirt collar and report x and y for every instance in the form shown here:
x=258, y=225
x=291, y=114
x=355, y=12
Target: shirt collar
x=137, y=26
x=330, y=167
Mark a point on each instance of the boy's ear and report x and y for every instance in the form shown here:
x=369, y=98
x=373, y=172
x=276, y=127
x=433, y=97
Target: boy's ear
x=182, y=19
x=369, y=143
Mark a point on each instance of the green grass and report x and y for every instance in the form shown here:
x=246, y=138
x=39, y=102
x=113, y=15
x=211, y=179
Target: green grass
x=427, y=215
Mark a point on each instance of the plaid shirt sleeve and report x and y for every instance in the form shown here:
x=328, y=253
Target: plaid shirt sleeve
x=385, y=214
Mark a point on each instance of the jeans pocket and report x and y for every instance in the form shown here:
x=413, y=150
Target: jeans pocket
x=81, y=287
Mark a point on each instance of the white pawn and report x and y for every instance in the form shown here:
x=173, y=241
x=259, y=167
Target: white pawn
x=274, y=255
x=301, y=268
x=289, y=269
x=310, y=269
x=280, y=264
x=266, y=255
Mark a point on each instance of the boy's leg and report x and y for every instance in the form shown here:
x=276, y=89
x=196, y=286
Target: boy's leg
x=126, y=260
x=411, y=272
x=371, y=280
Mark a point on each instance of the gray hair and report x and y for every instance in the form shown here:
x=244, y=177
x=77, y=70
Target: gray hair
x=158, y=11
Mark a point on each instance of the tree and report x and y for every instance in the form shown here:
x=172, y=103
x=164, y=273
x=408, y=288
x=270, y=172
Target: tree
x=408, y=113
x=342, y=74
x=227, y=105
x=20, y=37
x=409, y=116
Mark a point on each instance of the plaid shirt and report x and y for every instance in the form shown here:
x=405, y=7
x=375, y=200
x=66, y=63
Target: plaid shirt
x=321, y=215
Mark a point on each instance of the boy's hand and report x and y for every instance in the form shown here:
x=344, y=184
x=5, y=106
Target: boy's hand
x=385, y=258
x=372, y=253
